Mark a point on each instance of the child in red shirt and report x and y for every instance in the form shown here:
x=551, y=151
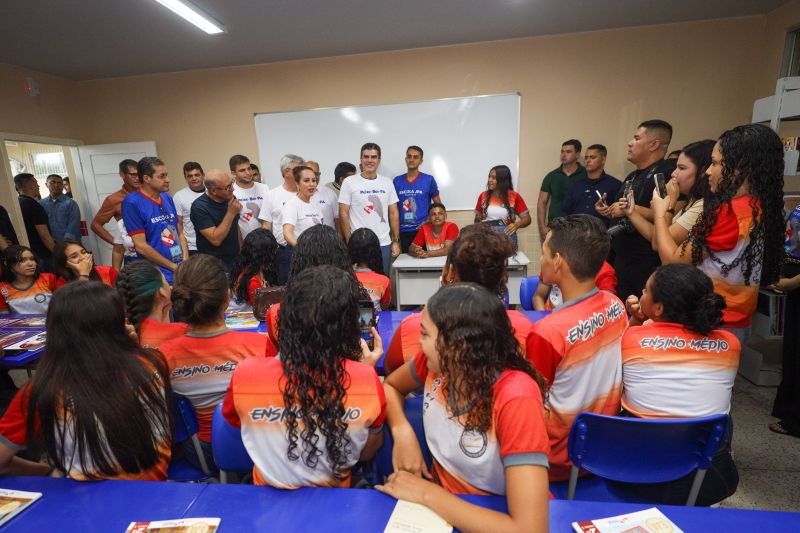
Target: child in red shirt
x=365, y=254
x=72, y=262
x=436, y=236
x=24, y=289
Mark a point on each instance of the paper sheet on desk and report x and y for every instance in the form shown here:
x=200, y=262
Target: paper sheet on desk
x=410, y=517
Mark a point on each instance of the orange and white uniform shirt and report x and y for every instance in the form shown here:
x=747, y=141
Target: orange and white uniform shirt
x=405, y=342
x=426, y=239
x=107, y=274
x=377, y=286
x=236, y=306
x=152, y=332
x=201, y=368
x=33, y=300
x=670, y=371
x=727, y=242
x=577, y=349
x=255, y=403
x=13, y=433
x=474, y=462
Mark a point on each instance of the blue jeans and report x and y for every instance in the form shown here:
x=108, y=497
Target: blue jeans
x=386, y=256
x=284, y=264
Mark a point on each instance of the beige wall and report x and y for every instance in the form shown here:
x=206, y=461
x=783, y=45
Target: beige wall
x=595, y=86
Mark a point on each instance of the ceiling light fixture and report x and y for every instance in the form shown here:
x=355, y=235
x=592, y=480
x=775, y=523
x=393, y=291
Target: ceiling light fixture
x=193, y=14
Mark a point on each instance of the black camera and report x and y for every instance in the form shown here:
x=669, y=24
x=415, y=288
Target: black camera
x=623, y=227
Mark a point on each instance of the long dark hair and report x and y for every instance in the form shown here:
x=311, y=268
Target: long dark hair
x=60, y=261
x=475, y=344
x=200, y=290
x=364, y=247
x=503, y=184
x=12, y=256
x=96, y=387
x=688, y=297
x=320, y=245
x=259, y=251
x=138, y=284
x=319, y=332
x=479, y=255
x=700, y=154
x=752, y=153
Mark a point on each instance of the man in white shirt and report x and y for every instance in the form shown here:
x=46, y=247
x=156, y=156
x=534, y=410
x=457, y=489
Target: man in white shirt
x=327, y=199
x=271, y=212
x=250, y=193
x=369, y=200
x=183, y=199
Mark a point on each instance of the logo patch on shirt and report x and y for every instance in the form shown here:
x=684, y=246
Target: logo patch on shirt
x=167, y=237
x=473, y=443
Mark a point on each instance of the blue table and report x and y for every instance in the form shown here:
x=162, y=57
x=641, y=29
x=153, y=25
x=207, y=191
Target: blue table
x=111, y=505
x=107, y=506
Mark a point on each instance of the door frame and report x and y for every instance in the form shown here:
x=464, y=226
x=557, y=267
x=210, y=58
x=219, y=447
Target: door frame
x=8, y=180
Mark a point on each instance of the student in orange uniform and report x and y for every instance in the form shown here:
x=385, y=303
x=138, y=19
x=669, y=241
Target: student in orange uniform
x=256, y=267
x=24, y=289
x=72, y=262
x=96, y=407
x=146, y=295
x=500, y=207
x=738, y=238
x=365, y=254
x=679, y=365
x=436, y=236
x=483, y=417
x=577, y=346
x=202, y=361
x=310, y=415
x=479, y=256
x=548, y=297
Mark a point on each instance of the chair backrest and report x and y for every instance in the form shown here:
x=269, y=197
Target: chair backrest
x=526, y=291
x=186, y=424
x=638, y=450
x=227, y=446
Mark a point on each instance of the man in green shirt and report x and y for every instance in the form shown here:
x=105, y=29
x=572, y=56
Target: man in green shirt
x=555, y=184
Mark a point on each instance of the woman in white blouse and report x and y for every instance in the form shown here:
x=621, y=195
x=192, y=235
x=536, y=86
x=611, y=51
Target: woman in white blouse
x=303, y=211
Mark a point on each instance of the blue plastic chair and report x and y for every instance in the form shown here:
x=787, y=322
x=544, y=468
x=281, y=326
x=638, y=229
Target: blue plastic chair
x=228, y=448
x=638, y=450
x=382, y=463
x=526, y=291
x=186, y=428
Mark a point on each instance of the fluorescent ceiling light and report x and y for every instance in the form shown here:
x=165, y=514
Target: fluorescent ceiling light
x=193, y=15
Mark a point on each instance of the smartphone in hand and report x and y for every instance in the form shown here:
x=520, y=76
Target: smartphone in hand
x=367, y=319
x=661, y=184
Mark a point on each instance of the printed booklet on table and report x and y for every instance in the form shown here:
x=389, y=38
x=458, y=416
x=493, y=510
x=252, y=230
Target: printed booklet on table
x=648, y=521
x=13, y=502
x=182, y=525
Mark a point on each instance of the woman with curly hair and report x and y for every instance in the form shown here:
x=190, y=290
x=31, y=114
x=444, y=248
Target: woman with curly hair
x=478, y=255
x=200, y=296
x=146, y=297
x=500, y=206
x=309, y=416
x=72, y=262
x=255, y=267
x=690, y=377
x=365, y=253
x=689, y=180
x=97, y=406
x=483, y=417
x=738, y=240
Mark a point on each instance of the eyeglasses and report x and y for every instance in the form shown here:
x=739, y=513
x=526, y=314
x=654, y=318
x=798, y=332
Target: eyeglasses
x=228, y=188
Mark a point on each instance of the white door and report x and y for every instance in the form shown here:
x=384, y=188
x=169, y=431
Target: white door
x=99, y=166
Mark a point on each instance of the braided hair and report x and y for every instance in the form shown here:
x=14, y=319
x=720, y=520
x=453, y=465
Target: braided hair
x=138, y=284
x=752, y=155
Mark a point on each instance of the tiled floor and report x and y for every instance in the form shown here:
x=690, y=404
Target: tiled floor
x=768, y=463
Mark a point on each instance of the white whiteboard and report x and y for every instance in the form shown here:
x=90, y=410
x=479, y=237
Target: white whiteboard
x=462, y=139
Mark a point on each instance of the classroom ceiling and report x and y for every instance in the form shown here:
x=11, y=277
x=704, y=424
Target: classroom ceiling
x=93, y=39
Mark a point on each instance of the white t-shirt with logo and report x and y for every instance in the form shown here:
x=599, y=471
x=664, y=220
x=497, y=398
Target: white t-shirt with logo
x=303, y=215
x=251, y=200
x=272, y=210
x=369, y=201
x=329, y=202
x=183, y=200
